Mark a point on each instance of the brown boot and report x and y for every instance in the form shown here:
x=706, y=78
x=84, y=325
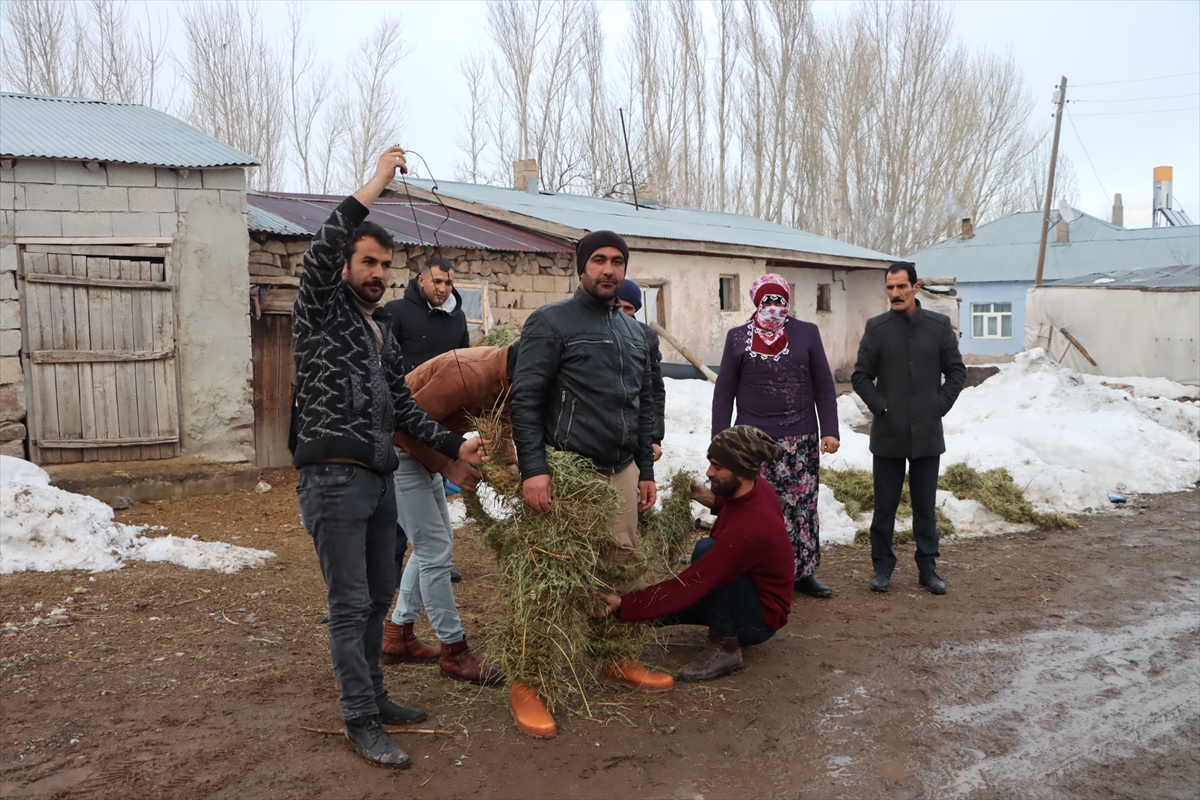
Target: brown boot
x=460, y=663
x=401, y=644
x=720, y=658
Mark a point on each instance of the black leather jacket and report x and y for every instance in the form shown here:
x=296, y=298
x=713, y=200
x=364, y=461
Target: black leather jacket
x=583, y=383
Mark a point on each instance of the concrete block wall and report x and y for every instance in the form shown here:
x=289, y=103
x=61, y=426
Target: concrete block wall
x=64, y=198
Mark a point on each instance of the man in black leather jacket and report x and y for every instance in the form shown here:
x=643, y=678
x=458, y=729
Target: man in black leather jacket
x=583, y=384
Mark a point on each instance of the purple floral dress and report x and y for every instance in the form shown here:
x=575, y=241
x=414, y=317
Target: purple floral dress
x=795, y=478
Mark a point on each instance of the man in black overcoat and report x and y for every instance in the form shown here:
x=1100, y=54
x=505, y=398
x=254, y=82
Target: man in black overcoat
x=902, y=359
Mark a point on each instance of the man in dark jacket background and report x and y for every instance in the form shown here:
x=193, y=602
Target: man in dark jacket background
x=429, y=319
x=583, y=384
x=902, y=357
x=427, y=322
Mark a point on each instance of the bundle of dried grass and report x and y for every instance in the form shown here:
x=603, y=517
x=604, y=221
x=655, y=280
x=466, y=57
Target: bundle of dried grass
x=552, y=565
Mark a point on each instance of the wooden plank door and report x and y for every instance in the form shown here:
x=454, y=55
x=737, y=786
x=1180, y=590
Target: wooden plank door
x=274, y=373
x=100, y=328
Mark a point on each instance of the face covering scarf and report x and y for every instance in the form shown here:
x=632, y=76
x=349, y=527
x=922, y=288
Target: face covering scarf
x=768, y=331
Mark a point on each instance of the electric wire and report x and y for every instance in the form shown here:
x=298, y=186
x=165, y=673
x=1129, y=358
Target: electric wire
x=1137, y=80
x=1078, y=138
x=1136, y=99
x=1152, y=111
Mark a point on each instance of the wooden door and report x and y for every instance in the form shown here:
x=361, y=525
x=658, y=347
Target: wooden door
x=274, y=372
x=99, y=352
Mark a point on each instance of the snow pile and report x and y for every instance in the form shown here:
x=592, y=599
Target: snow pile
x=45, y=529
x=1064, y=439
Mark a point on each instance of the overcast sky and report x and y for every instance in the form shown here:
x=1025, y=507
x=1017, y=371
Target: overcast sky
x=1114, y=54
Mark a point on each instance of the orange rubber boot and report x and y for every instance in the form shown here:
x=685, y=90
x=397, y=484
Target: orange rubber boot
x=631, y=673
x=530, y=712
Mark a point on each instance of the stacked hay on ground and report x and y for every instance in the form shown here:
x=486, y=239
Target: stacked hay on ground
x=553, y=564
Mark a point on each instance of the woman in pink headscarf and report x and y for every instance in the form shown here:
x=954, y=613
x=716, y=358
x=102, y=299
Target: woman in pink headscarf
x=775, y=368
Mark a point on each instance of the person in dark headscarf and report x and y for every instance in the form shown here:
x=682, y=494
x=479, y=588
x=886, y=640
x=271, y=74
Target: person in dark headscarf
x=740, y=580
x=775, y=367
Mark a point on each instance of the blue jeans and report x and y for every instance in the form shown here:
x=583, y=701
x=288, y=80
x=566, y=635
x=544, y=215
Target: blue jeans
x=421, y=504
x=732, y=610
x=350, y=512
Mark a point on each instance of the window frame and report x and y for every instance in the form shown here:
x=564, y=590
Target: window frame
x=985, y=315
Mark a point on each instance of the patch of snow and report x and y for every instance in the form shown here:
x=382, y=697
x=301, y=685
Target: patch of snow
x=1064, y=438
x=46, y=529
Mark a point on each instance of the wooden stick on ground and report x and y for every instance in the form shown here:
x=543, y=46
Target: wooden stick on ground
x=683, y=351
x=340, y=732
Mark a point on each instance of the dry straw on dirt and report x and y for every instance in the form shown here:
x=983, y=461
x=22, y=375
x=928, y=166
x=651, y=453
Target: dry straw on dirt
x=552, y=565
x=994, y=489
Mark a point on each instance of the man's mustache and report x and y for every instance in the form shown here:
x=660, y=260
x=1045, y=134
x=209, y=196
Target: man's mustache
x=375, y=282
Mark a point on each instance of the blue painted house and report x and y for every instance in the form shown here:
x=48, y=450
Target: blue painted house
x=995, y=264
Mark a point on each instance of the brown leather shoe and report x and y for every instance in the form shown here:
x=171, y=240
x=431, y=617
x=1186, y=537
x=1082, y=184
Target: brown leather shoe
x=631, y=673
x=720, y=658
x=401, y=644
x=530, y=712
x=459, y=662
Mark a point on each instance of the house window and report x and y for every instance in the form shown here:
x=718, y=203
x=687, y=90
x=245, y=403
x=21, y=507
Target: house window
x=824, y=297
x=729, y=293
x=653, y=303
x=991, y=320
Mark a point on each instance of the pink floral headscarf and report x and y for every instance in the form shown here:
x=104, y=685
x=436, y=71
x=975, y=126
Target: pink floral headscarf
x=769, y=332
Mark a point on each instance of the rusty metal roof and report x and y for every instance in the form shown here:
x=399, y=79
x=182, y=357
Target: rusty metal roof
x=302, y=214
x=33, y=126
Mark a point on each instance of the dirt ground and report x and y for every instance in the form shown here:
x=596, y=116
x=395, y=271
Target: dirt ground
x=1059, y=665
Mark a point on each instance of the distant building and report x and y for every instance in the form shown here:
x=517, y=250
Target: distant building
x=1140, y=322
x=996, y=264
x=695, y=267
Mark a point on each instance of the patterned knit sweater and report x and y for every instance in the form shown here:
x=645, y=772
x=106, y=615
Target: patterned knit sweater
x=350, y=397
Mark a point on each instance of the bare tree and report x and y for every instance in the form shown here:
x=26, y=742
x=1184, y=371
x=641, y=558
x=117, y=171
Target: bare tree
x=236, y=81
x=473, y=139
x=308, y=89
x=42, y=51
x=122, y=61
x=372, y=109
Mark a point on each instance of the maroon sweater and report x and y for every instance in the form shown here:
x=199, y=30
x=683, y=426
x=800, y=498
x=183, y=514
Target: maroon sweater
x=751, y=540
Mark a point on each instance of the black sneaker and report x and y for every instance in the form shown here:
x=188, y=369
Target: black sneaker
x=392, y=713
x=455, y=576
x=371, y=742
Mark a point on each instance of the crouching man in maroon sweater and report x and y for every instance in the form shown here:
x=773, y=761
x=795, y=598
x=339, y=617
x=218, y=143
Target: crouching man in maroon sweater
x=740, y=580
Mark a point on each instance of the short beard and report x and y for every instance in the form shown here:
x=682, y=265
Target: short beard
x=358, y=292
x=723, y=489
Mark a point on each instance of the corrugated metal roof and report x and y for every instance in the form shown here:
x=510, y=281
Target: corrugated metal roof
x=1007, y=249
x=656, y=222
x=32, y=126
x=1164, y=279
x=305, y=213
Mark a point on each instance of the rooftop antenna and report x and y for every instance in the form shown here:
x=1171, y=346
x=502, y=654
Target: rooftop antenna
x=629, y=160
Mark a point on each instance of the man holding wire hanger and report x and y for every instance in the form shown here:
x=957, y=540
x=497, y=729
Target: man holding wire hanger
x=350, y=399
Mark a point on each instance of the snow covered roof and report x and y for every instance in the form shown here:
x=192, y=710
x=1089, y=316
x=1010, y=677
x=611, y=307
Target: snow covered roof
x=1007, y=249
x=582, y=213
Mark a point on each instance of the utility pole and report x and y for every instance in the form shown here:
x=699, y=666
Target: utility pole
x=1062, y=99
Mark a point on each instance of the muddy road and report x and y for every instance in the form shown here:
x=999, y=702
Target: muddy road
x=1060, y=664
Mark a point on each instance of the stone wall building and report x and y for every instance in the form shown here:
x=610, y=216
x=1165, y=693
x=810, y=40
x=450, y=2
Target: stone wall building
x=501, y=271
x=124, y=330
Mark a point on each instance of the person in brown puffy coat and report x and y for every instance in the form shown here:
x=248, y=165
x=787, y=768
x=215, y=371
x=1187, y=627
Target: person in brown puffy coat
x=450, y=388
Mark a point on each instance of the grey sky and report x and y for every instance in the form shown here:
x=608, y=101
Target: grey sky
x=1123, y=130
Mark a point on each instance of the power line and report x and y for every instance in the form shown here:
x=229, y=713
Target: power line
x=1154, y=111
x=1139, y=80
x=1071, y=118
x=1138, y=99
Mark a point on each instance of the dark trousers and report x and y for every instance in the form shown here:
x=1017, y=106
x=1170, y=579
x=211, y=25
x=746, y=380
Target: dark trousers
x=922, y=486
x=350, y=512
x=732, y=610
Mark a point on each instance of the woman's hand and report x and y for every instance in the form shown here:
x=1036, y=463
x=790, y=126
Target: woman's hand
x=830, y=444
